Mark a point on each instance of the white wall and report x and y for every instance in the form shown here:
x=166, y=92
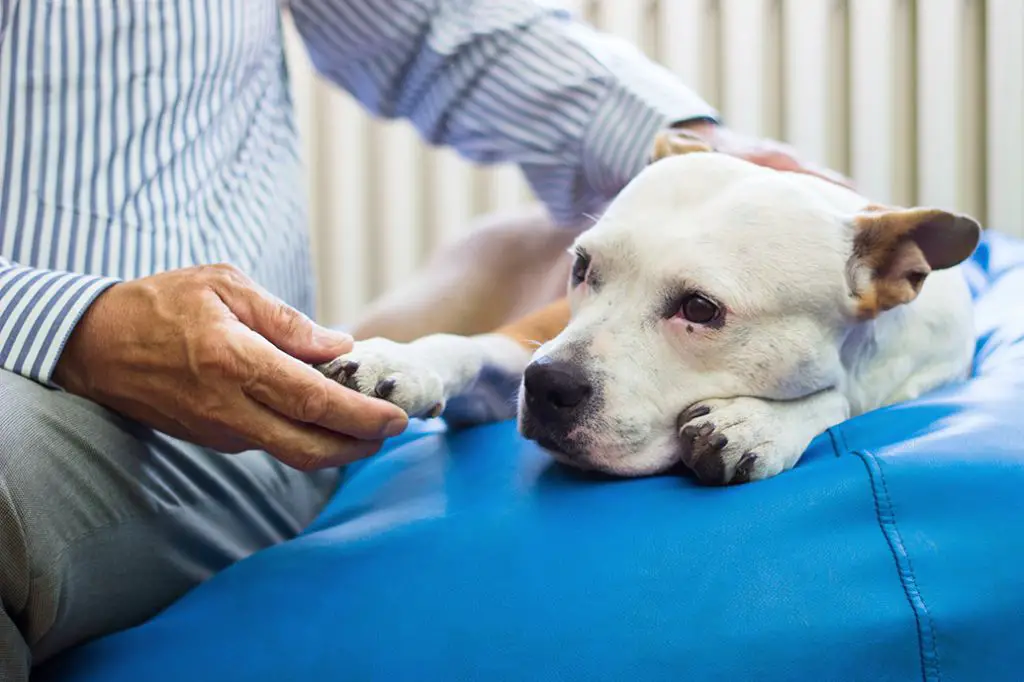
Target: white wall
x=919, y=101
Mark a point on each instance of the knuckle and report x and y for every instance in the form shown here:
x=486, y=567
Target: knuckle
x=298, y=458
x=217, y=415
x=225, y=269
x=287, y=320
x=212, y=356
x=313, y=406
x=304, y=461
x=294, y=450
x=224, y=273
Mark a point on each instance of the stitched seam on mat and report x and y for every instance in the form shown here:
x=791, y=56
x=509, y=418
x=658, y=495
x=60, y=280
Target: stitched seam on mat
x=927, y=645
x=835, y=438
x=846, y=444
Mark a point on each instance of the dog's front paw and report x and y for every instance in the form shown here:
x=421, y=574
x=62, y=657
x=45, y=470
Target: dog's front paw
x=380, y=368
x=726, y=442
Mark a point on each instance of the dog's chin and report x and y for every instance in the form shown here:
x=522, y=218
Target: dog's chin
x=600, y=453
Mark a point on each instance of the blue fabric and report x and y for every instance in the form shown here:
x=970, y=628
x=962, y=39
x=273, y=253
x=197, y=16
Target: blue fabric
x=893, y=551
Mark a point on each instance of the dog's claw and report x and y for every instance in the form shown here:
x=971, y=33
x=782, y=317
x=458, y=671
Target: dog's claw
x=701, y=452
x=339, y=370
x=385, y=387
x=745, y=467
x=691, y=413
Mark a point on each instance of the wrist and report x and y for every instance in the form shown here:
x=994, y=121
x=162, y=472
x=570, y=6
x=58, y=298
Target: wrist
x=71, y=370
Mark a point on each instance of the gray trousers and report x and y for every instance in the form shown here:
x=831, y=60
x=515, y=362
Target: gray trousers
x=104, y=522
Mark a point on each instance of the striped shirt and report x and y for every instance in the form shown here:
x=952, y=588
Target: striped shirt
x=138, y=136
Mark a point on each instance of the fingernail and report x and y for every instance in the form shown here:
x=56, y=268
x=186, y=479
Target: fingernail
x=330, y=338
x=395, y=427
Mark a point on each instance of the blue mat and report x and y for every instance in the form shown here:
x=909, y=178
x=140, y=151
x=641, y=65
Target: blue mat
x=893, y=551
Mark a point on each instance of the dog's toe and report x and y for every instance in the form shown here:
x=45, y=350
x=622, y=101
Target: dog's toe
x=731, y=442
x=702, y=449
x=385, y=387
x=383, y=369
x=745, y=468
x=691, y=413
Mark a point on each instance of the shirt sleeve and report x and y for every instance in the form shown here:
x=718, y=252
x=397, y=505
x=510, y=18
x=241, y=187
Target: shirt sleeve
x=6, y=10
x=504, y=81
x=38, y=310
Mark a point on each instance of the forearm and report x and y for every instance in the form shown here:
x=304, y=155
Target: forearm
x=504, y=81
x=38, y=310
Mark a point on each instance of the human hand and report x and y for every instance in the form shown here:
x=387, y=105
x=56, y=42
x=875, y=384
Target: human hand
x=204, y=354
x=761, y=151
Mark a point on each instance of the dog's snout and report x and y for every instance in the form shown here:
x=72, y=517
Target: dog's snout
x=555, y=389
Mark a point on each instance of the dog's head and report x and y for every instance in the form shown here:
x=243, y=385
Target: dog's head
x=710, y=277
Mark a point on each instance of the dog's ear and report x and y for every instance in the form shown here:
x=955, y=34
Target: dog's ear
x=894, y=250
x=676, y=141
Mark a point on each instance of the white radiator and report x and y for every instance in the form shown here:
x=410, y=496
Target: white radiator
x=919, y=101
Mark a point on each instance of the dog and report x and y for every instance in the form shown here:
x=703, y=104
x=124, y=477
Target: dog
x=719, y=314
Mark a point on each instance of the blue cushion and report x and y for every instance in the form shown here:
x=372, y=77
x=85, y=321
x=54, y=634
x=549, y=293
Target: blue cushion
x=893, y=551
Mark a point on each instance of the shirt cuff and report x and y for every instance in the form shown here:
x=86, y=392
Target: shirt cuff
x=38, y=311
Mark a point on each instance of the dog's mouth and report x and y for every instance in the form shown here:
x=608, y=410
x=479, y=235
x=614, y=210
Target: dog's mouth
x=568, y=447
x=582, y=449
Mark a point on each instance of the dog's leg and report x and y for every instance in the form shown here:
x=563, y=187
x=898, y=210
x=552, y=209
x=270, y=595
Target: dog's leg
x=738, y=440
x=506, y=266
x=474, y=377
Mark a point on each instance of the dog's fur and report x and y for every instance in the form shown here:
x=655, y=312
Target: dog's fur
x=720, y=314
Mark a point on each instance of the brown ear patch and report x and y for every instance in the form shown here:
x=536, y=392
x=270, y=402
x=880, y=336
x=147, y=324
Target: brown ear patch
x=675, y=143
x=899, y=248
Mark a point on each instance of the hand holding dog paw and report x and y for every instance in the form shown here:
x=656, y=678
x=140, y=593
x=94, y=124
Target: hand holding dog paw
x=204, y=354
x=380, y=368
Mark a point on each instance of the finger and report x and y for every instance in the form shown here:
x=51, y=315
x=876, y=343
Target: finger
x=282, y=325
x=770, y=158
x=302, y=394
x=782, y=161
x=300, y=446
x=830, y=175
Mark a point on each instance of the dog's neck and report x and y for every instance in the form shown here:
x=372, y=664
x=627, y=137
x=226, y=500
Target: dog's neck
x=893, y=357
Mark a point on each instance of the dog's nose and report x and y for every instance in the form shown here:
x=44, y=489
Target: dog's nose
x=555, y=389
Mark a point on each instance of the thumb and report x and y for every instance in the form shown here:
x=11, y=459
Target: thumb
x=284, y=326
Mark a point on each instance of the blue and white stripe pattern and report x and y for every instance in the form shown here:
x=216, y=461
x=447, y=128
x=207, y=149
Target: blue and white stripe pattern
x=138, y=136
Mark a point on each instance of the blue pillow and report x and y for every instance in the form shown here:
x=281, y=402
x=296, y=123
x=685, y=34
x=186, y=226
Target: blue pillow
x=893, y=551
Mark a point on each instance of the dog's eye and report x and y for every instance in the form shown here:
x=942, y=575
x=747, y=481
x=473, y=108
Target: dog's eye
x=698, y=309
x=580, y=267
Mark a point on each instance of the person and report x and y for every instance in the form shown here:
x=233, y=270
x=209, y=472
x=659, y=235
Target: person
x=160, y=417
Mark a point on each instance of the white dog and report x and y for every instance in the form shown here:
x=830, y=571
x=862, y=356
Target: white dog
x=719, y=313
